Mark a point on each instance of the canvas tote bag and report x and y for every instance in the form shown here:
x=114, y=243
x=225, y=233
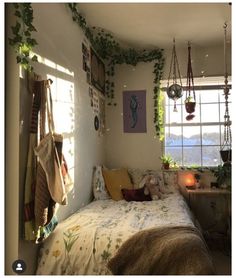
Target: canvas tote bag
x=48, y=152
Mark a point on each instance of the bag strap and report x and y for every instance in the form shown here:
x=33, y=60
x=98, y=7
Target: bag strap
x=49, y=105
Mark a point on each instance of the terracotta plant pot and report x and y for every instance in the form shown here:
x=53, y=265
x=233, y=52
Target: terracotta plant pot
x=166, y=166
x=190, y=107
x=226, y=155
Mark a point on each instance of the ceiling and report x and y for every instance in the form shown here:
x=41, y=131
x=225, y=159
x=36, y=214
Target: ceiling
x=153, y=25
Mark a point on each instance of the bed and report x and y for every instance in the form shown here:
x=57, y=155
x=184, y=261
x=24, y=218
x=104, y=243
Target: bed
x=102, y=237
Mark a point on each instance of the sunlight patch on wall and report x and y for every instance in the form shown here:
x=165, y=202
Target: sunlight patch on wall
x=52, y=64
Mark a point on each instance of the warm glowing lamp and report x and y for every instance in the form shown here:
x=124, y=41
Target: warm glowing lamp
x=189, y=181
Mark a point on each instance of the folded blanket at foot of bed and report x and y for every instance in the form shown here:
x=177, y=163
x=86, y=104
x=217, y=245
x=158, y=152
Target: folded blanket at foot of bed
x=164, y=251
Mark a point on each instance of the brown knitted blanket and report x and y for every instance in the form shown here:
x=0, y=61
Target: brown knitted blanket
x=163, y=251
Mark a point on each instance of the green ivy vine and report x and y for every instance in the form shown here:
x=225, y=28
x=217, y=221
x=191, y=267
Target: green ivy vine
x=22, y=40
x=111, y=51
x=103, y=43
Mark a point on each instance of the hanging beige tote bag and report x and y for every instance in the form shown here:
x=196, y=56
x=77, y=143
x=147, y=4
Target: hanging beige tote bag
x=48, y=151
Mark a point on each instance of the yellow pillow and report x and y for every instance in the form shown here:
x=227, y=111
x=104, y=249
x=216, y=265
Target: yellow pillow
x=115, y=180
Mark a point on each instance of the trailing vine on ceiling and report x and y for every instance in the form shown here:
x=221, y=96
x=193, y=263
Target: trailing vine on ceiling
x=110, y=50
x=22, y=40
x=104, y=44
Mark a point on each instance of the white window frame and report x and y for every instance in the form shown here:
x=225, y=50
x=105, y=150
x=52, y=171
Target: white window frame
x=215, y=83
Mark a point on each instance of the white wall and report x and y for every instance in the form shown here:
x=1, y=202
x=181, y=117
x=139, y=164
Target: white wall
x=12, y=156
x=142, y=150
x=60, y=45
x=60, y=41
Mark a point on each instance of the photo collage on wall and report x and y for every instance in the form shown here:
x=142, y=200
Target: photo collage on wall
x=97, y=103
x=95, y=71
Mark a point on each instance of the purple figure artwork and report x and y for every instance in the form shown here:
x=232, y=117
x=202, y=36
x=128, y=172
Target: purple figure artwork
x=134, y=111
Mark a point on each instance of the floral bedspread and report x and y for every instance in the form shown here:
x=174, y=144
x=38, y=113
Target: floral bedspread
x=84, y=242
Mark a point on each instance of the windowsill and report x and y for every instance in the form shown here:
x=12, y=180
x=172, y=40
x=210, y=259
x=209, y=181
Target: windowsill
x=199, y=169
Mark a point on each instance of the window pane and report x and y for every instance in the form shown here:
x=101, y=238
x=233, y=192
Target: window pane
x=173, y=136
x=192, y=156
x=169, y=101
x=175, y=117
x=209, y=96
x=211, y=135
x=209, y=113
x=191, y=135
x=176, y=154
x=211, y=156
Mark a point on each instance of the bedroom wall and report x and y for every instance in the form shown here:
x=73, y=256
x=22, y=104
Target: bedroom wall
x=142, y=150
x=60, y=56
x=12, y=86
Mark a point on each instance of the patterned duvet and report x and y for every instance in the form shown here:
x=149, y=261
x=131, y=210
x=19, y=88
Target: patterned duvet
x=87, y=240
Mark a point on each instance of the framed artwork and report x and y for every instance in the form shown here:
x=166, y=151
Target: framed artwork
x=97, y=72
x=134, y=111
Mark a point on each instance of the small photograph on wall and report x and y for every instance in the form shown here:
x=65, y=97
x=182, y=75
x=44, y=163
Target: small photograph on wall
x=97, y=72
x=134, y=111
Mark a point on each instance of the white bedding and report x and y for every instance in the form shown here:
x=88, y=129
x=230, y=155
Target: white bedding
x=84, y=243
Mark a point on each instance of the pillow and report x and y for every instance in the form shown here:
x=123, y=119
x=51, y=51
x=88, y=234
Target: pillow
x=137, y=195
x=99, y=189
x=136, y=176
x=171, y=180
x=115, y=180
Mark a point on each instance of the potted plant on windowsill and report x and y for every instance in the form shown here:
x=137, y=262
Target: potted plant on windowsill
x=223, y=175
x=166, y=161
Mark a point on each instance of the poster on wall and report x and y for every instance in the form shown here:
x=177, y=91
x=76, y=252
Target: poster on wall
x=97, y=72
x=134, y=111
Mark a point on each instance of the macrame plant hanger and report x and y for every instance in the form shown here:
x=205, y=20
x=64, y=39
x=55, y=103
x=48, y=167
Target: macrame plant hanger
x=174, y=91
x=225, y=150
x=190, y=100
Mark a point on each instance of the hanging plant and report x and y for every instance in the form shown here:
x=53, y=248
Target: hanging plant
x=22, y=40
x=174, y=91
x=225, y=150
x=110, y=50
x=190, y=100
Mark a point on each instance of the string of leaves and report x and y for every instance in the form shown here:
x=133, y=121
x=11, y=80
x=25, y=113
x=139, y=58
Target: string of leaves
x=22, y=40
x=110, y=50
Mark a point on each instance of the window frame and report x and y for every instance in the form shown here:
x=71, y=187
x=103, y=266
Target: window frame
x=219, y=87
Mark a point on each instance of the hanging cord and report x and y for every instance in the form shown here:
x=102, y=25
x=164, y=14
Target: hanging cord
x=227, y=123
x=173, y=64
x=176, y=60
x=190, y=76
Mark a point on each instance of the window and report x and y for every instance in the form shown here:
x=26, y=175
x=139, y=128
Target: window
x=197, y=142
